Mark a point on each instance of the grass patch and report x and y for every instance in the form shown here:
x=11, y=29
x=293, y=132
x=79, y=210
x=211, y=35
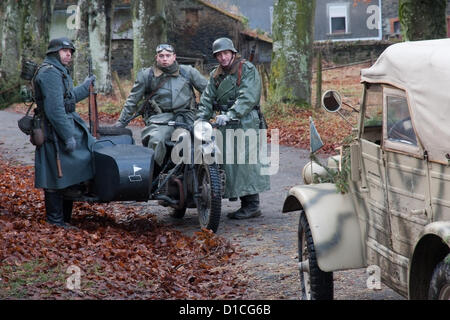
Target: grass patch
x=30, y=279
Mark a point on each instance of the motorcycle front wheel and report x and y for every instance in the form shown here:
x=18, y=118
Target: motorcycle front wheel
x=209, y=205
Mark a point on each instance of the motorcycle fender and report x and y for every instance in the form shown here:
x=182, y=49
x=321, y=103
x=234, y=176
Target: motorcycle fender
x=334, y=225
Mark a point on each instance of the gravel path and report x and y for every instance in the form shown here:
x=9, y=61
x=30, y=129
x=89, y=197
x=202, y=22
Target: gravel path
x=269, y=242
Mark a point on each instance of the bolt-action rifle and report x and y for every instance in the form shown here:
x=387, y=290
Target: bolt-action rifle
x=93, y=113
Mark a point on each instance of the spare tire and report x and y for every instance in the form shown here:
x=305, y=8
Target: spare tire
x=114, y=131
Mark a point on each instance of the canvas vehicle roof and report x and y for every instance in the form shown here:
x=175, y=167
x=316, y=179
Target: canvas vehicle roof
x=422, y=69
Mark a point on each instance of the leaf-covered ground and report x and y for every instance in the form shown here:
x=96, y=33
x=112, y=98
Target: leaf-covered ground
x=122, y=253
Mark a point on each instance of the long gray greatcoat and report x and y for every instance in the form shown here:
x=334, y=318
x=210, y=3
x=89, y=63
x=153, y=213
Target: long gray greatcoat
x=241, y=179
x=175, y=99
x=76, y=165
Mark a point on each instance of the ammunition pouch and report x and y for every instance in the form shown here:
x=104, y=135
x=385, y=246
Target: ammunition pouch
x=26, y=124
x=34, y=127
x=69, y=106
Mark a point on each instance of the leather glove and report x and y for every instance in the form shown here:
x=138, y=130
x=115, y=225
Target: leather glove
x=70, y=144
x=87, y=82
x=119, y=124
x=222, y=119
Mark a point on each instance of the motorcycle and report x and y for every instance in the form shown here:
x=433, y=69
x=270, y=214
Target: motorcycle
x=124, y=172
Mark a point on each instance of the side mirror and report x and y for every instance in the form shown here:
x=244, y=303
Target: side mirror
x=331, y=101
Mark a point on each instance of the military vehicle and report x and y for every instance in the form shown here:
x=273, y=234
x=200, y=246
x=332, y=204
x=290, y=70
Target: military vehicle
x=396, y=212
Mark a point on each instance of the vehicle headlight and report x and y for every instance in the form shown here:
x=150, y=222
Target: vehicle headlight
x=203, y=131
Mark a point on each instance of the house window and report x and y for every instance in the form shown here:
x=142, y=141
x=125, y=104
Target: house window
x=338, y=19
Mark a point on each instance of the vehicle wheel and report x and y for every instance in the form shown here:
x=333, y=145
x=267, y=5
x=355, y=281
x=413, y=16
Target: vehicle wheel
x=178, y=213
x=440, y=281
x=316, y=284
x=210, y=201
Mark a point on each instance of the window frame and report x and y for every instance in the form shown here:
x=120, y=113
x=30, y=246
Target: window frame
x=398, y=146
x=338, y=6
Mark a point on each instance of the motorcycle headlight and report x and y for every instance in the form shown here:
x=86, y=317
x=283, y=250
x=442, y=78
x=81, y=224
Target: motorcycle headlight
x=203, y=131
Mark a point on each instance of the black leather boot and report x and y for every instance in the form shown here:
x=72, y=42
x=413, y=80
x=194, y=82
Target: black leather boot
x=67, y=210
x=54, y=204
x=249, y=208
x=57, y=210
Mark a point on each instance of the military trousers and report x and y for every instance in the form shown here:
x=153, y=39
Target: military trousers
x=155, y=135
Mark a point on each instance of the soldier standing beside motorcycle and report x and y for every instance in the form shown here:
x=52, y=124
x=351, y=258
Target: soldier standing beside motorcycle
x=234, y=90
x=63, y=157
x=167, y=88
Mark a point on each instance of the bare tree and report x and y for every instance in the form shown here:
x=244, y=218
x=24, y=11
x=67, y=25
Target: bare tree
x=149, y=29
x=80, y=63
x=25, y=35
x=292, y=56
x=93, y=40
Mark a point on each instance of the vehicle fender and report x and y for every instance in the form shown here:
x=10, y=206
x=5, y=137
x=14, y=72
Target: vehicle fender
x=334, y=225
x=432, y=246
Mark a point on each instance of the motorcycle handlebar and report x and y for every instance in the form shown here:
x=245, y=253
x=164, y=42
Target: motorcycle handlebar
x=190, y=127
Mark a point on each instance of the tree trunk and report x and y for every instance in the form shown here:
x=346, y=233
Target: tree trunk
x=37, y=17
x=10, y=45
x=149, y=30
x=293, y=37
x=100, y=19
x=25, y=35
x=2, y=15
x=80, y=61
x=93, y=40
x=423, y=19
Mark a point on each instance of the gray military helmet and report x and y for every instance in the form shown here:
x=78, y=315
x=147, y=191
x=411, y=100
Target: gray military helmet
x=60, y=43
x=223, y=44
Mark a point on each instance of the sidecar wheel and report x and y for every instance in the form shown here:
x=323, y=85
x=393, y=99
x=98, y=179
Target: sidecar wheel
x=210, y=202
x=178, y=213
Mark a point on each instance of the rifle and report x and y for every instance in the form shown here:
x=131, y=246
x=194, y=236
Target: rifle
x=93, y=114
x=58, y=160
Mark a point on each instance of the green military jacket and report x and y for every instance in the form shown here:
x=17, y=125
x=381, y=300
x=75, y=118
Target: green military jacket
x=55, y=88
x=223, y=88
x=175, y=95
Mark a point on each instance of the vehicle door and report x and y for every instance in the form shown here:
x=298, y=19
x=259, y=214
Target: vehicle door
x=376, y=224
x=407, y=183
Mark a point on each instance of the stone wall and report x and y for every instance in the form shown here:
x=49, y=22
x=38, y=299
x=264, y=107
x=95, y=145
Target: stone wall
x=122, y=57
x=339, y=53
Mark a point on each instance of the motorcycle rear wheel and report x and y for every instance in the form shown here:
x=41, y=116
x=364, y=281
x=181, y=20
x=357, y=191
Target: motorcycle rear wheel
x=209, y=206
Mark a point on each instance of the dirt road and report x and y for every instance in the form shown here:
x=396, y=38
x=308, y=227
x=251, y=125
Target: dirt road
x=269, y=242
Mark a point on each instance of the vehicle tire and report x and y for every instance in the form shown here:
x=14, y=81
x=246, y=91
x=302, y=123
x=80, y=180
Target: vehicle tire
x=178, y=213
x=114, y=131
x=210, y=201
x=315, y=284
x=440, y=281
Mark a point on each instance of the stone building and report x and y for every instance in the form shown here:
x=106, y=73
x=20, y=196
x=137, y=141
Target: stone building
x=192, y=27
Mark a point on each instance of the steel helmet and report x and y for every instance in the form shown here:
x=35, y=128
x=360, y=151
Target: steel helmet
x=60, y=43
x=223, y=44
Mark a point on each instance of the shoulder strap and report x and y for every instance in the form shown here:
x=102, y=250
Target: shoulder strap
x=160, y=84
x=238, y=82
x=149, y=81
